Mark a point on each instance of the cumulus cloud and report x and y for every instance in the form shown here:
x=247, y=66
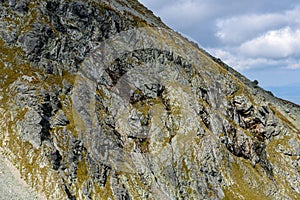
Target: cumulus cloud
x=238, y=29
x=241, y=27
x=241, y=62
x=186, y=13
x=279, y=43
x=261, y=40
x=244, y=63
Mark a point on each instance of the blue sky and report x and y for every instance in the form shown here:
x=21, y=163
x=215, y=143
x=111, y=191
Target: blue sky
x=260, y=39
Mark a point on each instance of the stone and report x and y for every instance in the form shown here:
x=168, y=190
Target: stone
x=60, y=119
x=30, y=128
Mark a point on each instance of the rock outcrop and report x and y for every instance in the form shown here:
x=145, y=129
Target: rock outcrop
x=101, y=100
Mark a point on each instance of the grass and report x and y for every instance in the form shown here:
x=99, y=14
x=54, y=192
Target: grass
x=241, y=189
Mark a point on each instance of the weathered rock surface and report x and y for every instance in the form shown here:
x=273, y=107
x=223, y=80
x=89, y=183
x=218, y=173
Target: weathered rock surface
x=100, y=100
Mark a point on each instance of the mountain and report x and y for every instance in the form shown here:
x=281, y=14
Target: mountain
x=101, y=100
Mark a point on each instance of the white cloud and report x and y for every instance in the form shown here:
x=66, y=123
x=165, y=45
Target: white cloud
x=253, y=41
x=294, y=65
x=238, y=29
x=241, y=62
x=279, y=43
x=188, y=13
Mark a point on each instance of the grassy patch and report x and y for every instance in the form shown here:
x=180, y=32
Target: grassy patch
x=241, y=189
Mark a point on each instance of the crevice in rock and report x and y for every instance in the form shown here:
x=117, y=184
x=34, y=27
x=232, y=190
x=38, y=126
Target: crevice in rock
x=260, y=149
x=56, y=159
x=69, y=194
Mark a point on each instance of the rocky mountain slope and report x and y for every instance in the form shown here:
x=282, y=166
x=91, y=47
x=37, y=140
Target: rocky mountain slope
x=101, y=100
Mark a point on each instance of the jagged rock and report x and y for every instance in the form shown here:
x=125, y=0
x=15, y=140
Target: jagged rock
x=99, y=99
x=30, y=128
x=19, y=6
x=59, y=119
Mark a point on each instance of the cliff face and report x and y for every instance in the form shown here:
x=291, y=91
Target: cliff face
x=101, y=100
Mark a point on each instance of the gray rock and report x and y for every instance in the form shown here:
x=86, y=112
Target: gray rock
x=60, y=119
x=30, y=128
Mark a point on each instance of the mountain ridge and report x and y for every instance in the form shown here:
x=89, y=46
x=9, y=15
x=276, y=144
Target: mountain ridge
x=100, y=99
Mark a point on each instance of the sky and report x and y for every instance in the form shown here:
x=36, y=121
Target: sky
x=259, y=38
